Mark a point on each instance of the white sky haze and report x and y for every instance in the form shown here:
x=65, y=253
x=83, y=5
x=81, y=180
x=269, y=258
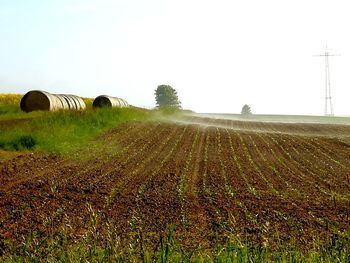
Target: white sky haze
x=217, y=54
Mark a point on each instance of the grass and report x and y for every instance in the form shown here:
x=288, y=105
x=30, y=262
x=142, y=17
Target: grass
x=76, y=129
x=60, y=132
x=92, y=246
x=64, y=132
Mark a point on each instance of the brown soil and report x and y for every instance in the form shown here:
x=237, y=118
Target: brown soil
x=269, y=186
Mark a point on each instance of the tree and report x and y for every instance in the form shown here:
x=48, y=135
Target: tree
x=166, y=96
x=246, y=111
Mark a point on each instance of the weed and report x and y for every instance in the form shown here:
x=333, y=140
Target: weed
x=59, y=248
x=21, y=142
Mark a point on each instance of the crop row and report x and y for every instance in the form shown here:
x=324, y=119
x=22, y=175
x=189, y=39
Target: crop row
x=142, y=162
x=126, y=139
x=210, y=182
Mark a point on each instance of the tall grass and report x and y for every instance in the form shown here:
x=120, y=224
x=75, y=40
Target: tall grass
x=77, y=128
x=93, y=246
x=61, y=132
x=9, y=106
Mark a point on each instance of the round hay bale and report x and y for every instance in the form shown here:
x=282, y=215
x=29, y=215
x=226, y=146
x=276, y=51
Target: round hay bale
x=108, y=101
x=79, y=102
x=74, y=102
x=42, y=100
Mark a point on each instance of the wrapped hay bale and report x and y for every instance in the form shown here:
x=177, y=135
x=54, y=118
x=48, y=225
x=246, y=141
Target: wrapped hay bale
x=42, y=100
x=108, y=101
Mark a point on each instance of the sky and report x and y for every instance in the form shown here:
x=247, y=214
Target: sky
x=217, y=54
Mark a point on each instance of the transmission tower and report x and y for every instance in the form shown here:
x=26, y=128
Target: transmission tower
x=328, y=105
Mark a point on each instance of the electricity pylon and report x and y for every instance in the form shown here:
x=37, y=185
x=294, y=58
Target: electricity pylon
x=328, y=106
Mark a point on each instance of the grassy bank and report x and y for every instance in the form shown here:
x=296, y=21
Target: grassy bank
x=61, y=132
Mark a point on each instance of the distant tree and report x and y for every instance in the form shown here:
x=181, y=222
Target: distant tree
x=166, y=96
x=246, y=111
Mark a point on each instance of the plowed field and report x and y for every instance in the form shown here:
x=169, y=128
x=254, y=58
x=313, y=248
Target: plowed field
x=264, y=182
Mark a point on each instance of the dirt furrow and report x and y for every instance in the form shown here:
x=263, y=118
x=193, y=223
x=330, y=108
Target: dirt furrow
x=229, y=178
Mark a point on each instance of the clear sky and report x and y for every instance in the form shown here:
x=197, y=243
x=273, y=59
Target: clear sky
x=218, y=54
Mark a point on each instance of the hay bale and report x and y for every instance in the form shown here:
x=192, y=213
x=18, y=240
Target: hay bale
x=42, y=100
x=108, y=101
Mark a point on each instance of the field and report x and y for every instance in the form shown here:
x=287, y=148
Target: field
x=279, y=118
x=193, y=185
